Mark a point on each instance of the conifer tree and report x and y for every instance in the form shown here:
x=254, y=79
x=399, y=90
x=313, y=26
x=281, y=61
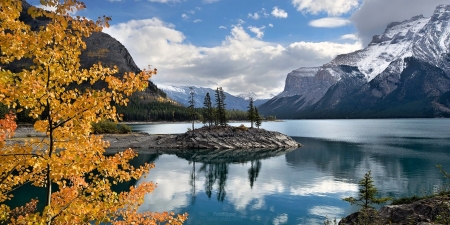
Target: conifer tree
x=251, y=114
x=366, y=196
x=258, y=120
x=220, y=106
x=191, y=106
x=208, y=110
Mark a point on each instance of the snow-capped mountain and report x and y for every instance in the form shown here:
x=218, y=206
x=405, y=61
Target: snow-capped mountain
x=407, y=66
x=248, y=95
x=181, y=95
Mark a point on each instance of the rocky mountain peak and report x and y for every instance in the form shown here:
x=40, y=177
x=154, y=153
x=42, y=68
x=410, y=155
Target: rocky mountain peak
x=442, y=13
x=404, y=30
x=407, y=65
x=248, y=95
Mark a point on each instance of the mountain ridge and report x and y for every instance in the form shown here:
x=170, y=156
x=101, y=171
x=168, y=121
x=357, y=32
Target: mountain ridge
x=376, y=81
x=181, y=95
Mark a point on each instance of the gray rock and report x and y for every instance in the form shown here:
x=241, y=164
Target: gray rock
x=422, y=212
x=232, y=138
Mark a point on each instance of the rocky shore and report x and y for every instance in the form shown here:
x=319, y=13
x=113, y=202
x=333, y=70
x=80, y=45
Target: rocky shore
x=205, y=138
x=432, y=210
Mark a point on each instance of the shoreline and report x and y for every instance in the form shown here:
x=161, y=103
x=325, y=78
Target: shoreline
x=201, y=138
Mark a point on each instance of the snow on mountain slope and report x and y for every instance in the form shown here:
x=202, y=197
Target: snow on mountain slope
x=434, y=42
x=181, y=95
x=427, y=39
x=396, y=42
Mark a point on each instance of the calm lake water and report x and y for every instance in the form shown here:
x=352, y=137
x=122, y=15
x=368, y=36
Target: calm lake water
x=307, y=184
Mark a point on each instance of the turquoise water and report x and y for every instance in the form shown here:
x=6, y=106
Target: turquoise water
x=307, y=184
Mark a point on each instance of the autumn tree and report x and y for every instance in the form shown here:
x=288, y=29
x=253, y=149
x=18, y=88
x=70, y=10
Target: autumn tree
x=70, y=157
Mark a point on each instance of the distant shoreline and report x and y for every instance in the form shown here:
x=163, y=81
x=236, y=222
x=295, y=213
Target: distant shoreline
x=190, y=122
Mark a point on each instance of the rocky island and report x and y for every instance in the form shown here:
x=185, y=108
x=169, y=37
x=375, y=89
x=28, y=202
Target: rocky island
x=205, y=138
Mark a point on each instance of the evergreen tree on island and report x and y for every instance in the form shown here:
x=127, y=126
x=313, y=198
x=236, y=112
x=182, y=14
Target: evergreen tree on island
x=251, y=113
x=192, y=105
x=220, y=106
x=258, y=120
x=208, y=113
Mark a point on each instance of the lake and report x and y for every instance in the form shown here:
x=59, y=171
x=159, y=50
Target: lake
x=306, y=185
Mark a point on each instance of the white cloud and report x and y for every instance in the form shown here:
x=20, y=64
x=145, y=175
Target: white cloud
x=254, y=16
x=270, y=25
x=240, y=21
x=222, y=27
x=240, y=63
x=163, y=1
x=197, y=21
x=279, y=13
x=353, y=37
x=331, y=7
x=259, y=14
x=72, y=12
x=330, y=22
x=258, y=31
x=48, y=8
x=210, y=1
x=184, y=16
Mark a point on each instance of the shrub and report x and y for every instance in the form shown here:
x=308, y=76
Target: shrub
x=124, y=129
x=408, y=200
x=109, y=127
x=242, y=127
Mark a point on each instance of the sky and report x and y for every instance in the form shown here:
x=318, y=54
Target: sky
x=245, y=45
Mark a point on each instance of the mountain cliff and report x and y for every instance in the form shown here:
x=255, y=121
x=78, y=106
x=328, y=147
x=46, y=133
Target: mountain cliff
x=101, y=47
x=404, y=72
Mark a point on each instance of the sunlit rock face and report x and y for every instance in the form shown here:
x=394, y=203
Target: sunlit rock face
x=404, y=72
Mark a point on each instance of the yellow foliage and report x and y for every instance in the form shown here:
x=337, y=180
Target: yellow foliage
x=70, y=154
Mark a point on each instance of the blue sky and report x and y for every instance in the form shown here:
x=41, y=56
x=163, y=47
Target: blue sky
x=245, y=45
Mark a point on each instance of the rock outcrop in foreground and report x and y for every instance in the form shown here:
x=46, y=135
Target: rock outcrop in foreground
x=435, y=210
x=231, y=138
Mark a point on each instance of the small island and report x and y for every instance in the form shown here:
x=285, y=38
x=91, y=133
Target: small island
x=216, y=137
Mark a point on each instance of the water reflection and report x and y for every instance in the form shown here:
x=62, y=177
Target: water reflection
x=230, y=155
x=253, y=171
x=215, y=172
x=395, y=169
x=249, y=188
x=304, y=185
x=215, y=166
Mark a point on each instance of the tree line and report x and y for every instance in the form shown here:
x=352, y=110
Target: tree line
x=217, y=115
